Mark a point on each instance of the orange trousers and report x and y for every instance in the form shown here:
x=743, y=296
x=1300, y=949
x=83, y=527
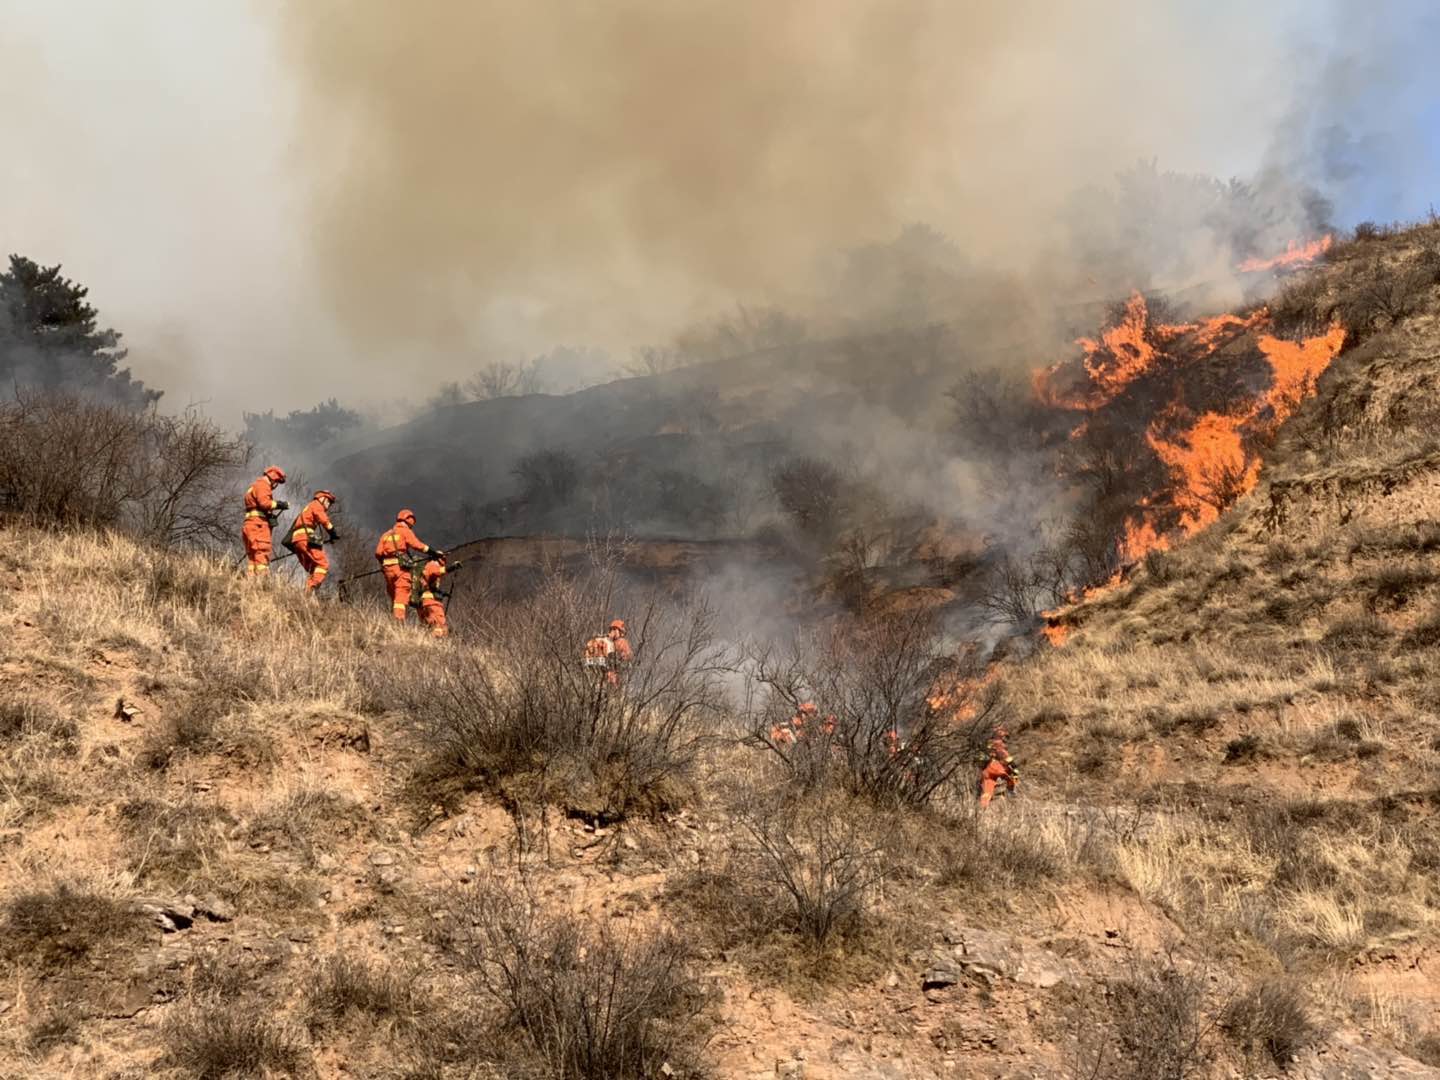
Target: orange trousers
x=432, y=614
x=315, y=562
x=991, y=775
x=255, y=534
x=397, y=582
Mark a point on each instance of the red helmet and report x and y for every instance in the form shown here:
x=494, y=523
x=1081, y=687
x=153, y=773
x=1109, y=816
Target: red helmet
x=407, y=516
x=808, y=707
x=617, y=624
x=323, y=494
x=275, y=474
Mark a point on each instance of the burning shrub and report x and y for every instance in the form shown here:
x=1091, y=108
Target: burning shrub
x=895, y=719
x=522, y=714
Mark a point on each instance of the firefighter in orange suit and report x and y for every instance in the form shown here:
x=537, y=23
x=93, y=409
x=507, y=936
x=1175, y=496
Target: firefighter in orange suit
x=999, y=765
x=432, y=608
x=261, y=507
x=609, y=653
x=392, y=548
x=308, y=537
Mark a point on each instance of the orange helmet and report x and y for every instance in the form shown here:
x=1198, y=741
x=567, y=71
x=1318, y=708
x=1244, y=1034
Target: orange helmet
x=808, y=707
x=275, y=474
x=323, y=494
x=617, y=624
x=407, y=516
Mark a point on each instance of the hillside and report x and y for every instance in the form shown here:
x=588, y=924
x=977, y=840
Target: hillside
x=245, y=834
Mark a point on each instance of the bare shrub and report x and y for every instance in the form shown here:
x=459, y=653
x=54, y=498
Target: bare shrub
x=547, y=478
x=1375, y=294
x=1017, y=589
x=1157, y=1027
x=500, y=378
x=1270, y=1016
x=588, y=1002
x=810, y=491
x=213, y=1040
x=76, y=462
x=521, y=713
x=816, y=863
x=897, y=719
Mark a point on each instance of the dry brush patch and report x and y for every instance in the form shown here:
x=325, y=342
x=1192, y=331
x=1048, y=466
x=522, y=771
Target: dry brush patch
x=565, y=997
x=518, y=714
x=898, y=720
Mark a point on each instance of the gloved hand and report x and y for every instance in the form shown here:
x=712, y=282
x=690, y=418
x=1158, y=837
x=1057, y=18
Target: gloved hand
x=454, y=565
x=334, y=535
x=281, y=504
x=436, y=553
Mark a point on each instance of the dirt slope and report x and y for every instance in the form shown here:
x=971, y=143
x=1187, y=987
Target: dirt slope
x=215, y=856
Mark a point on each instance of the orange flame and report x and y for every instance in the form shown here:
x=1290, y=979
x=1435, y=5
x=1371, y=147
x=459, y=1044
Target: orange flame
x=1212, y=455
x=1295, y=254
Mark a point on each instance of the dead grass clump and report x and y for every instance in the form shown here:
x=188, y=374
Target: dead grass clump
x=60, y=927
x=1423, y=635
x=37, y=743
x=583, y=1001
x=59, y=1026
x=522, y=716
x=177, y=845
x=345, y=987
x=1270, y=1016
x=1358, y=635
x=897, y=721
x=307, y=820
x=1426, y=1048
x=211, y=1039
x=25, y=718
x=1391, y=586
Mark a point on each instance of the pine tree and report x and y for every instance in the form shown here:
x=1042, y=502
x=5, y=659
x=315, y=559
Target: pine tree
x=49, y=338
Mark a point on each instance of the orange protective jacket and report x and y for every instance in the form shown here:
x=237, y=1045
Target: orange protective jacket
x=308, y=523
x=260, y=498
x=399, y=539
x=431, y=575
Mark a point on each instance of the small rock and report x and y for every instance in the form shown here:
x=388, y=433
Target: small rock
x=382, y=858
x=215, y=909
x=126, y=710
x=938, y=977
x=301, y=934
x=629, y=842
x=789, y=1070
x=892, y=980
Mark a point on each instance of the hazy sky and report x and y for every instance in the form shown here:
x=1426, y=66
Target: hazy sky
x=277, y=202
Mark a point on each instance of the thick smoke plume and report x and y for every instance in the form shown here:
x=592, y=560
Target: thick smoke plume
x=526, y=173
